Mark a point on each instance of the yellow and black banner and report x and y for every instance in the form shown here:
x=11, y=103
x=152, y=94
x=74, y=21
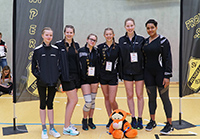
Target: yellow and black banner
x=189, y=47
x=29, y=18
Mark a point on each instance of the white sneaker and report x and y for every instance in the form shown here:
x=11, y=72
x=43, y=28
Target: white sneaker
x=70, y=131
x=44, y=134
x=72, y=126
x=54, y=133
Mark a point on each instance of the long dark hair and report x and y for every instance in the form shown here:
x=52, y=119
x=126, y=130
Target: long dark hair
x=73, y=43
x=3, y=75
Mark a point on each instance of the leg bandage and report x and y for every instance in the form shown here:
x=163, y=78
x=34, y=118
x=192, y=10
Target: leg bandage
x=88, y=102
x=93, y=95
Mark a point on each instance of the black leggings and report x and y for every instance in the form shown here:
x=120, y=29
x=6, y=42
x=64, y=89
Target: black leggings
x=153, y=81
x=6, y=90
x=46, y=100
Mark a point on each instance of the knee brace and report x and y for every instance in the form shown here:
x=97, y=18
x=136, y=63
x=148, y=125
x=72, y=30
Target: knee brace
x=88, y=102
x=93, y=95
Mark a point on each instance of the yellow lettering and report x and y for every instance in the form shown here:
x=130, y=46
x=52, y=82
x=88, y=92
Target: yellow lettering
x=32, y=43
x=32, y=29
x=30, y=55
x=197, y=35
x=187, y=24
x=33, y=13
x=196, y=19
x=192, y=22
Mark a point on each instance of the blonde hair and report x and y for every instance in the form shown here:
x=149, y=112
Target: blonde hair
x=46, y=28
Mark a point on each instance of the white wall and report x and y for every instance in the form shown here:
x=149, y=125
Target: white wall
x=93, y=16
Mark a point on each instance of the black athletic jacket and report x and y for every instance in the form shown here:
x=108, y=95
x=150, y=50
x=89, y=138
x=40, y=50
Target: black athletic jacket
x=45, y=64
x=110, y=54
x=126, y=47
x=158, y=56
x=87, y=60
x=67, y=62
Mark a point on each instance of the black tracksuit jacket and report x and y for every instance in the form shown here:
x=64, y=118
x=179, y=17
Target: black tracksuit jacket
x=46, y=65
x=158, y=56
x=93, y=58
x=64, y=61
x=110, y=54
x=126, y=47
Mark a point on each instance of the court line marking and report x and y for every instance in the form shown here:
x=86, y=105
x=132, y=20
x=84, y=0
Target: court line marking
x=63, y=124
x=186, y=98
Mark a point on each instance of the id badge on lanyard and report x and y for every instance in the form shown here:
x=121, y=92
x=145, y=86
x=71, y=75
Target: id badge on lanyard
x=91, y=71
x=108, y=66
x=134, y=57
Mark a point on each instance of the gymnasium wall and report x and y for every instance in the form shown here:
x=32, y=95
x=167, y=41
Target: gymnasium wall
x=93, y=16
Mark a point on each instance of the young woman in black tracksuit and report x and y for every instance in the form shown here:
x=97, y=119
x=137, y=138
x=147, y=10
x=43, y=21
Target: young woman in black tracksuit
x=46, y=68
x=131, y=63
x=70, y=75
x=89, y=63
x=158, y=70
x=109, y=55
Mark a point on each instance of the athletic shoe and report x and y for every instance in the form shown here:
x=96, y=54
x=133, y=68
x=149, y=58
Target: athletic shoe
x=54, y=133
x=150, y=125
x=139, y=124
x=134, y=123
x=70, y=131
x=72, y=126
x=167, y=129
x=44, y=134
x=109, y=123
x=91, y=124
x=84, y=124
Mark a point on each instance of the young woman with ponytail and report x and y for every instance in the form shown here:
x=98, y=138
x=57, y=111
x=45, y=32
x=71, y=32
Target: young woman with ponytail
x=70, y=75
x=109, y=55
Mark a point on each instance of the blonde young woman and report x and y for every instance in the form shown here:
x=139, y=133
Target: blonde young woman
x=45, y=67
x=109, y=56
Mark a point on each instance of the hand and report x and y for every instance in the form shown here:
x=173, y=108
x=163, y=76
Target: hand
x=165, y=82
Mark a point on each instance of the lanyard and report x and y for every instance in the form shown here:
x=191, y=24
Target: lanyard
x=90, y=57
x=109, y=51
x=134, y=43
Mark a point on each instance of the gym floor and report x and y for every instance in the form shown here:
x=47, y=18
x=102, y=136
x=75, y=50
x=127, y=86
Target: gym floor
x=27, y=114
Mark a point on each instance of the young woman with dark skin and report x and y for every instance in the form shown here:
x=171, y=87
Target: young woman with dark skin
x=157, y=73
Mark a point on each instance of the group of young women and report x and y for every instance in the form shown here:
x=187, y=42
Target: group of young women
x=134, y=59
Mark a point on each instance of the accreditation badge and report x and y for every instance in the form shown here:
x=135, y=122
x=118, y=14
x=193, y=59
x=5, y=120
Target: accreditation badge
x=108, y=66
x=134, y=57
x=91, y=71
